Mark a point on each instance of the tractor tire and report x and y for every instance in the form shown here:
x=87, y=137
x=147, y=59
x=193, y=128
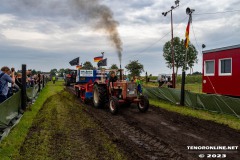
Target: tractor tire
x=143, y=105
x=68, y=83
x=99, y=96
x=113, y=105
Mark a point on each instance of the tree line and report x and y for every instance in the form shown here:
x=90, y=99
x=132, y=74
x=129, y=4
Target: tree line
x=135, y=68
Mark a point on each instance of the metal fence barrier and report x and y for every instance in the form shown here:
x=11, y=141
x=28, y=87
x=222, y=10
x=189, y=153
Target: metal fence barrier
x=10, y=110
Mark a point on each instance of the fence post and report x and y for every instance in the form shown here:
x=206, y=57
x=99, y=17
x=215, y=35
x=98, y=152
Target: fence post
x=43, y=81
x=23, y=89
x=39, y=82
x=183, y=89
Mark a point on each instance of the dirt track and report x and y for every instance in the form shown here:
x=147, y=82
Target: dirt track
x=160, y=134
x=73, y=131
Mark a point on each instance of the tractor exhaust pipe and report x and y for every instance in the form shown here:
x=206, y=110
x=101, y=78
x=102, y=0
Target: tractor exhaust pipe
x=121, y=75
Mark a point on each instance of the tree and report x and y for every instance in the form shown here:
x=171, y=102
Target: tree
x=114, y=66
x=179, y=54
x=87, y=65
x=61, y=72
x=53, y=72
x=197, y=73
x=34, y=72
x=135, y=68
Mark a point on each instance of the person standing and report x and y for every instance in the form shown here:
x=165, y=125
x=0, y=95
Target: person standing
x=53, y=79
x=4, y=80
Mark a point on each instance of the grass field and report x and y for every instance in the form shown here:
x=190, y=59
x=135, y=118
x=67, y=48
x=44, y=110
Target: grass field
x=193, y=87
x=10, y=146
x=193, y=83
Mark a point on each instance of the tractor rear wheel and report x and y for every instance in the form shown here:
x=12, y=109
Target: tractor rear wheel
x=143, y=105
x=99, y=95
x=113, y=105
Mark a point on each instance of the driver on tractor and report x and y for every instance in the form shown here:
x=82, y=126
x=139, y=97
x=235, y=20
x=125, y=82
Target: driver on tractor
x=113, y=78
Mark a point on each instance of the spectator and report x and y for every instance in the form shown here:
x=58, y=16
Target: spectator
x=169, y=82
x=18, y=80
x=4, y=80
x=53, y=79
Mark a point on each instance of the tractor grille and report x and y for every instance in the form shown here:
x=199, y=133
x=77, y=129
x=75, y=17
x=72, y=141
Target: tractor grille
x=131, y=90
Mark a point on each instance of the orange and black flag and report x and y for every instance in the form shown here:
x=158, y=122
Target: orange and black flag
x=79, y=66
x=97, y=59
x=187, y=33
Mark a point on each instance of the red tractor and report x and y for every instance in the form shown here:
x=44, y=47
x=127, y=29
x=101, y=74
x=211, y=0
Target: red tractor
x=120, y=93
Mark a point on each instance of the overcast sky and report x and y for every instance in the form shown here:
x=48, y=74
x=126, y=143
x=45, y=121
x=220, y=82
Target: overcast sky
x=48, y=34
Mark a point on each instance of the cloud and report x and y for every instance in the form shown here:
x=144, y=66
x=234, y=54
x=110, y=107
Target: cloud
x=52, y=32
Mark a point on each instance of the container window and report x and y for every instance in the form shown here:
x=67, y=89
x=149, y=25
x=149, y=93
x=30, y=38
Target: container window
x=209, y=68
x=225, y=67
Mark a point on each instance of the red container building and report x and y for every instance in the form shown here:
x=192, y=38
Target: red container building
x=221, y=71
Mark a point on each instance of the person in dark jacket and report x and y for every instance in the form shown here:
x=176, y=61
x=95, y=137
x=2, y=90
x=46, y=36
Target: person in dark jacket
x=113, y=78
x=4, y=80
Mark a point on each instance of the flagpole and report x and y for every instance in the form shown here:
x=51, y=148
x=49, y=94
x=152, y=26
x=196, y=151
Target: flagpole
x=189, y=12
x=183, y=80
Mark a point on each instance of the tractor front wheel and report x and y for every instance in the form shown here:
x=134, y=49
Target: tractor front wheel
x=143, y=105
x=113, y=105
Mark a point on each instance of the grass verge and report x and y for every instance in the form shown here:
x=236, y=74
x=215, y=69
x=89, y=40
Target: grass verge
x=231, y=121
x=193, y=87
x=10, y=146
x=62, y=130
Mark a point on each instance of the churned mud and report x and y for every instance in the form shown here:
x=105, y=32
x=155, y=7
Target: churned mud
x=160, y=134
x=67, y=129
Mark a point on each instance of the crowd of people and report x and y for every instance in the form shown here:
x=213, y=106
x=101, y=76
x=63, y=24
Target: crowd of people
x=11, y=82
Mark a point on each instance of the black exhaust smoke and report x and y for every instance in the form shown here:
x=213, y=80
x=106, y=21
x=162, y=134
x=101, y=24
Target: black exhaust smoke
x=99, y=17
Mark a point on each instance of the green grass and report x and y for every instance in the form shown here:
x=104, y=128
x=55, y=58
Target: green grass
x=231, y=121
x=60, y=141
x=10, y=146
x=193, y=83
x=193, y=87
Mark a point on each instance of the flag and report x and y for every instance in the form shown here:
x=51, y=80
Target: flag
x=102, y=62
x=74, y=62
x=97, y=59
x=187, y=33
